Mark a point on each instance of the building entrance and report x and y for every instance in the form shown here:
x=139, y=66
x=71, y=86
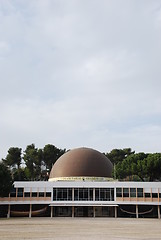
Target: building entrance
x=83, y=211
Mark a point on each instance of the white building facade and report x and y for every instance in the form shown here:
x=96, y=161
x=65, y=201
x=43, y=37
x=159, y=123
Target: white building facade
x=84, y=198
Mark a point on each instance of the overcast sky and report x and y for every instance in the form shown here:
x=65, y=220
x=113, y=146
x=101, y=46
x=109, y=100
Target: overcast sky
x=80, y=73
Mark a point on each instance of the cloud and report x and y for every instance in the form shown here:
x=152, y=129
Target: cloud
x=80, y=73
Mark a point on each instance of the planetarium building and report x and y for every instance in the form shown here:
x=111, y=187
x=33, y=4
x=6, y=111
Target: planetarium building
x=81, y=185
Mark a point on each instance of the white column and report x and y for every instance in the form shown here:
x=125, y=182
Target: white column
x=30, y=212
x=51, y=211
x=94, y=212
x=93, y=194
x=137, y=213
x=72, y=211
x=9, y=211
x=158, y=211
x=72, y=194
x=115, y=211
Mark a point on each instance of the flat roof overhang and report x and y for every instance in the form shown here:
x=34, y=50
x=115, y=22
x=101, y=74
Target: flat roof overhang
x=82, y=204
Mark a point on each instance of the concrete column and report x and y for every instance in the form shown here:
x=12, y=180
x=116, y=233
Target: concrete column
x=115, y=211
x=30, y=212
x=9, y=211
x=51, y=211
x=93, y=194
x=94, y=212
x=72, y=211
x=158, y=211
x=72, y=194
x=137, y=212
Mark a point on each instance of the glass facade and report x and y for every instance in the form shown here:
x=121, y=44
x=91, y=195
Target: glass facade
x=129, y=192
x=139, y=192
x=20, y=192
x=132, y=192
x=62, y=194
x=118, y=192
x=147, y=195
x=125, y=192
x=104, y=194
x=83, y=194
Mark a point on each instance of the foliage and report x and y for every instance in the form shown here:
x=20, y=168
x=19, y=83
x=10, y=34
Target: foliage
x=33, y=160
x=5, y=180
x=13, y=158
x=118, y=155
x=37, y=163
x=146, y=166
x=50, y=155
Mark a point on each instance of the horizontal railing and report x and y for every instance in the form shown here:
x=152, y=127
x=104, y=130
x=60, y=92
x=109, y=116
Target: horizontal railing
x=20, y=199
x=137, y=199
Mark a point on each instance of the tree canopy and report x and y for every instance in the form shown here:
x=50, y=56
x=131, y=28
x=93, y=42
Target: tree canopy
x=36, y=163
x=5, y=180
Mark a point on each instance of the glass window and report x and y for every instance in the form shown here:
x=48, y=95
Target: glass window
x=13, y=192
x=34, y=194
x=125, y=192
x=27, y=194
x=139, y=192
x=147, y=195
x=104, y=194
x=54, y=194
x=112, y=194
x=97, y=194
x=83, y=194
x=69, y=194
x=20, y=192
x=48, y=194
x=132, y=192
x=41, y=194
x=90, y=194
x=154, y=195
x=62, y=194
x=118, y=192
x=76, y=198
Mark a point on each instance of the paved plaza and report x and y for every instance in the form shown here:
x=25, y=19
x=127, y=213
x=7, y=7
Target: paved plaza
x=80, y=228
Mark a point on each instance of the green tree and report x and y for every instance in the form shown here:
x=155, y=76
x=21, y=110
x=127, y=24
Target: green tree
x=51, y=154
x=33, y=160
x=13, y=158
x=153, y=164
x=132, y=165
x=5, y=180
x=19, y=175
x=118, y=155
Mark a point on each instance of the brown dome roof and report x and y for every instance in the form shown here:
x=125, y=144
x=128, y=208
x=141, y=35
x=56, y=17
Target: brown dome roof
x=82, y=162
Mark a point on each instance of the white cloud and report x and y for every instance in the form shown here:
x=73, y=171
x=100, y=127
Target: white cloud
x=80, y=73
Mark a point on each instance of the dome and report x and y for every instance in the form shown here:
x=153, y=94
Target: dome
x=82, y=162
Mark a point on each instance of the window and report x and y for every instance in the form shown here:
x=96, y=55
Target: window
x=132, y=192
x=48, y=194
x=104, y=194
x=34, y=194
x=154, y=195
x=139, y=192
x=13, y=192
x=20, y=192
x=62, y=194
x=83, y=194
x=147, y=195
x=125, y=192
x=118, y=192
x=27, y=194
x=41, y=194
